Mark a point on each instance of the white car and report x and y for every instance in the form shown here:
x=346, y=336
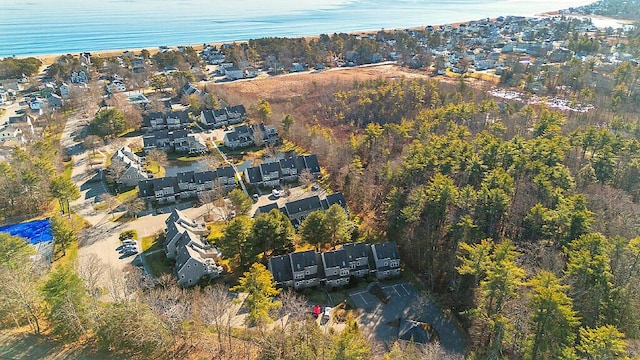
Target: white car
x=326, y=314
x=129, y=242
x=277, y=193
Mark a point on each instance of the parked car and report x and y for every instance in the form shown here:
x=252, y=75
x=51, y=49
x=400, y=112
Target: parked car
x=256, y=197
x=315, y=187
x=129, y=242
x=316, y=310
x=326, y=314
x=277, y=193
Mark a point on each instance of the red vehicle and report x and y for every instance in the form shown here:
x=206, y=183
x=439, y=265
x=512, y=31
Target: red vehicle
x=317, y=309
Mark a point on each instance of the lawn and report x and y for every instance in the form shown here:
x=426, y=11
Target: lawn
x=150, y=243
x=158, y=264
x=127, y=195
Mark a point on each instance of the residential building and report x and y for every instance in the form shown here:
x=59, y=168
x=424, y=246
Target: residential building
x=233, y=73
x=386, y=259
x=178, y=120
x=195, y=258
x=187, y=185
x=10, y=133
x=358, y=258
x=132, y=172
x=304, y=265
x=190, y=89
x=239, y=137
x=280, y=267
x=174, y=140
x=336, y=267
x=298, y=210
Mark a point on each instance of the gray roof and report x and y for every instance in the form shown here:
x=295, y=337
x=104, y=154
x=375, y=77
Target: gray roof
x=270, y=167
x=356, y=250
x=254, y=175
x=164, y=182
x=280, y=267
x=335, y=258
x=145, y=188
x=226, y=171
x=335, y=198
x=311, y=163
x=388, y=250
x=208, y=117
x=307, y=204
x=185, y=177
x=303, y=259
x=266, y=208
x=288, y=163
x=204, y=176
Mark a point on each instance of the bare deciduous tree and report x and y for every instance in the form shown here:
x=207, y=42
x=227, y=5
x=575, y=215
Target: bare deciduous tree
x=91, y=269
x=110, y=201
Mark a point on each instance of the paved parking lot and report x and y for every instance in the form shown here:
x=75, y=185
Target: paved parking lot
x=405, y=302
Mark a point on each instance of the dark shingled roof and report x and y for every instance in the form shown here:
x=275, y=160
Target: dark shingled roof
x=204, y=177
x=335, y=258
x=388, y=250
x=303, y=259
x=335, y=198
x=311, y=162
x=145, y=188
x=356, y=250
x=280, y=267
x=266, y=208
x=307, y=204
x=226, y=171
x=254, y=175
x=185, y=177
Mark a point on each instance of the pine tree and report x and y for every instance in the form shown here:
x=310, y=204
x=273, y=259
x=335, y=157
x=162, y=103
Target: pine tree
x=552, y=320
x=260, y=288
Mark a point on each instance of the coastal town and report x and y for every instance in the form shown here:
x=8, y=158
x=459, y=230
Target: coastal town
x=373, y=204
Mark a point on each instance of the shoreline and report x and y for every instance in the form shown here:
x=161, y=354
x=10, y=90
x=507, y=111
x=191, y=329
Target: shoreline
x=48, y=59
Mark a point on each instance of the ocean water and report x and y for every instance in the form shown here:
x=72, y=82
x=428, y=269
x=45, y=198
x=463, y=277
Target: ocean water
x=35, y=27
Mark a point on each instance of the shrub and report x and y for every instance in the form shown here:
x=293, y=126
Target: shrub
x=129, y=234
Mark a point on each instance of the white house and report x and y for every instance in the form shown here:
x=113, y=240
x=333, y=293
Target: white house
x=234, y=73
x=10, y=133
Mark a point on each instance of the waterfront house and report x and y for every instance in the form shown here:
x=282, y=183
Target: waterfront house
x=239, y=137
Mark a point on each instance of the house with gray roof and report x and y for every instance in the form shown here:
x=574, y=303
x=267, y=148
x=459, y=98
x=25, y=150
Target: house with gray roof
x=194, y=257
x=336, y=267
x=304, y=265
x=299, y=209
x=280, y=267
x=133, y=172
x=386, y=259
x=358, y=258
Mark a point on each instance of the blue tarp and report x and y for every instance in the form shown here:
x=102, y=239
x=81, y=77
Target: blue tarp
x=35, y=231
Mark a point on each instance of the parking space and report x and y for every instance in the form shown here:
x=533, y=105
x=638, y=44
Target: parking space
x=404, y=302
x=364, y=300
